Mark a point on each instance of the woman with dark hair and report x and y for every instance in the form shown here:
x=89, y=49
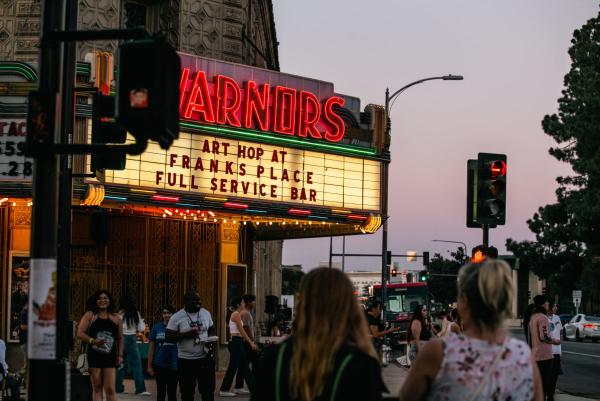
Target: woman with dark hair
x=237, y=355
x=483, y=363
x=329, y=355
x=418, y=331
x=101, y=329
x=162, y=358
x=132, y=325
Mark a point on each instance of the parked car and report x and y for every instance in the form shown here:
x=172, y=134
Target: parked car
x=565, y=318
x=582, y=326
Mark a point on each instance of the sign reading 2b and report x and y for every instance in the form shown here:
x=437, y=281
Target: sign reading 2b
x=14, y=166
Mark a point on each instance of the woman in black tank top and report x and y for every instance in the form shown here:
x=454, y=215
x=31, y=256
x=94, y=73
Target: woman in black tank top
x=102, y=331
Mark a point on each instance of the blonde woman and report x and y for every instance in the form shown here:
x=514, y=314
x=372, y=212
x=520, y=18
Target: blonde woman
x=482, y=363
x=329, y=355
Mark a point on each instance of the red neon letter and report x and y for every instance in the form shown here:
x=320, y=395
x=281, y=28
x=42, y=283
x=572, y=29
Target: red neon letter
x=285, y=115
x=256, y=105
x=309, y=103
x=199, y=100
x=185, y=73
x=226, y=114
x=336, y=122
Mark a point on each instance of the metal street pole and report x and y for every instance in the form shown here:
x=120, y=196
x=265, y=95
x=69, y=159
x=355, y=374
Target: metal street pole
x=330, y=251
x=46, y=375
x=385, y=178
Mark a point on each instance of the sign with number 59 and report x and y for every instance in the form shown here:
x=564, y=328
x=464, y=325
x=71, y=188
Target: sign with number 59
x=14, y=166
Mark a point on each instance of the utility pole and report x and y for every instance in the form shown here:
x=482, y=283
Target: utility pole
x=46, y=372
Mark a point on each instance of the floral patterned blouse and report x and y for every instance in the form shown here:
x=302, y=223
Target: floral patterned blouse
x=467, y=360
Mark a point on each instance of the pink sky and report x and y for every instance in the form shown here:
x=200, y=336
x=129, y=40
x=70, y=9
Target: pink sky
x=513, y=55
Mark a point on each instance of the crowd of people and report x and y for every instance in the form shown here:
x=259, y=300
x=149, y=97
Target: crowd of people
x=332, y=350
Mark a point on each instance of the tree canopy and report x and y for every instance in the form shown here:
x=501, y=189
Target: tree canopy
x=567, y=245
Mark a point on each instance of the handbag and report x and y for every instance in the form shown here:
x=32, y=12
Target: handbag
x=488, y=373
x=82, y=362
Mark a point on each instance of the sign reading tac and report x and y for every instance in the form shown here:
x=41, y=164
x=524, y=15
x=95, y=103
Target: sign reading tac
x=227, y=167
x=14, y=166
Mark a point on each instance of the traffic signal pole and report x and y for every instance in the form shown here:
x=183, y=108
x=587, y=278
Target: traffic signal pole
x=486, y=234
x=46, y=375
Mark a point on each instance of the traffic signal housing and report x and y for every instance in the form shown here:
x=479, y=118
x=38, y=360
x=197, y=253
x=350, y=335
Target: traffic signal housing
x=149, y=71
x=394, y=272
x=491, y=189
x=105, y=130
x=423, y=275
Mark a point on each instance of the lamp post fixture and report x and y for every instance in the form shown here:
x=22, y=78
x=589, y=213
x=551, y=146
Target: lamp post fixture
x=385, y=168
x=452, y=242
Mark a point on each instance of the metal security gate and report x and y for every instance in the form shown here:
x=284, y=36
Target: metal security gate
x=156, y=260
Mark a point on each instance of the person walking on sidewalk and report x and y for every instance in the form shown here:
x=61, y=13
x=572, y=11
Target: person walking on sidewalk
x=329, y=355
x=555, y=330
x=541, y=342
x=102, y=330
x=418, y=331
x=251, y=354
x=237, y=354
x=376, y=326
x=482, y=363
x=162, y=358
x=132, y=324
x=189, y=328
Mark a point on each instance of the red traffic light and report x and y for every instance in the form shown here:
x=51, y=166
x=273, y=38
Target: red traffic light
x=498, y=168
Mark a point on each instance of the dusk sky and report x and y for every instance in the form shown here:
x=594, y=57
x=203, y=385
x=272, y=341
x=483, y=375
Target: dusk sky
x=513, y=55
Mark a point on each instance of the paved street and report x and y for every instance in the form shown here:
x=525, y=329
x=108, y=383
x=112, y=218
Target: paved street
x=581, y=363
x=393, y=376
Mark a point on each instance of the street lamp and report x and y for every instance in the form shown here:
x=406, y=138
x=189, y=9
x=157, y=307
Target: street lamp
x=384, y=208
x=452, y=242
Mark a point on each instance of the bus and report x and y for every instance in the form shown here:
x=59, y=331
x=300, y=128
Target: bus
x=402, y=299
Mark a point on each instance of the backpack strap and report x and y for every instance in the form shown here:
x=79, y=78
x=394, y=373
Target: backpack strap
x=338, y=375
x=278, y=371
x=279, y=363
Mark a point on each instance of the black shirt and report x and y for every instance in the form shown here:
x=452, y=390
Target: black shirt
x=360, y=380
x=375, y=321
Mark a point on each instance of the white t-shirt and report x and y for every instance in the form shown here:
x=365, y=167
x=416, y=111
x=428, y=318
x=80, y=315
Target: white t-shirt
x=133, y=329
x=182, y=322
x=555, y=330
x=3, y=356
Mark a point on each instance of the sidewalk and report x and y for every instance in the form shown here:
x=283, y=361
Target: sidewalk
x=393, y=376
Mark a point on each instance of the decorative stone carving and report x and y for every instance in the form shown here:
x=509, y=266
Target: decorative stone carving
x=21, y=216
x=168, y=22
x=230, y=232
x=232, y=47
x=97, y=14
x=232, y=30
x=233, y=14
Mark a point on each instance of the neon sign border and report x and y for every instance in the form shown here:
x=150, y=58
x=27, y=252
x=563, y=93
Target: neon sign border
x=280, y=140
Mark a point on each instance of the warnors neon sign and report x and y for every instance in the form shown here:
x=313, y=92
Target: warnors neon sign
x=263, y=106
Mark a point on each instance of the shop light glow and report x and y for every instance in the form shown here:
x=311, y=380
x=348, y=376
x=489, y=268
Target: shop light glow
x=141, y=191
x=164, y=198
x=117, y=198
x=211, y=214
x=357, y=217
x=299, y=212
x=167, y=211
x=215, y=198
x=234, y=205
x=3, y=200
x=256, y=211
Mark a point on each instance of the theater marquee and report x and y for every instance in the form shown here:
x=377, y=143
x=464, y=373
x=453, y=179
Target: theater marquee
x=216, y=166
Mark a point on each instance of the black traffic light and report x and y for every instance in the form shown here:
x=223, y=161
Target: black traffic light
x=388, y=257
x=394, y=272
x=425, y=258
x=148, y=90
x=423, y=275
x=491, y=188
x=105, y=130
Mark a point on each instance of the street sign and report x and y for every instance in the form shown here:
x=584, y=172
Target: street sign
x=577, y=302
x=576, y=294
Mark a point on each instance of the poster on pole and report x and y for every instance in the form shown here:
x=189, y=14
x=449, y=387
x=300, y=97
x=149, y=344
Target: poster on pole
x=41, y=342
x=18, y=282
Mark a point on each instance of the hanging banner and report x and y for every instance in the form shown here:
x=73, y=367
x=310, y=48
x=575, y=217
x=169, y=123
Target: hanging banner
x=41, y=340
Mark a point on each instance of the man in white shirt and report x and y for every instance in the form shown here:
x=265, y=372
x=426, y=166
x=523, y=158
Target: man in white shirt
x=189, y=327
x=555, y=330
x=11, y=383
